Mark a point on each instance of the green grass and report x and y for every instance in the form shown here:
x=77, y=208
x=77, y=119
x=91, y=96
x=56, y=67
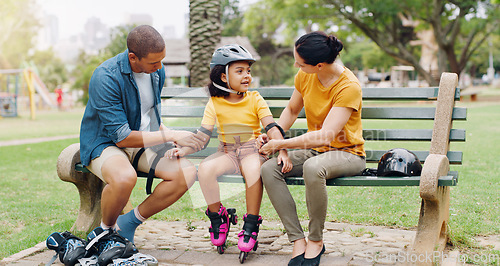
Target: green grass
x=34, y=202
x=46, y=124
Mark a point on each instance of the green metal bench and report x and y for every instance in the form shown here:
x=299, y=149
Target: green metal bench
x=384, y=105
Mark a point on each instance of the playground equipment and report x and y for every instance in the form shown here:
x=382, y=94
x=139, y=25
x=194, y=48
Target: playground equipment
x=10, y=84
x=9, y=90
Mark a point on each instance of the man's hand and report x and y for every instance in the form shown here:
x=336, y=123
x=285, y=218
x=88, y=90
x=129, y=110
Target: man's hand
x=271, y=147
x=189, y=139
x=284, y=160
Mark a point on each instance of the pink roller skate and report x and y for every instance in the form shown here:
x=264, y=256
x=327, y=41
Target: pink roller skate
x=220, y=224
x=248, y=236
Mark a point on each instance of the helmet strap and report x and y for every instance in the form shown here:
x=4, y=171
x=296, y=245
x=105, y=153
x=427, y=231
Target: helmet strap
x=227, y=77
x=228, y=89
x=224, y=88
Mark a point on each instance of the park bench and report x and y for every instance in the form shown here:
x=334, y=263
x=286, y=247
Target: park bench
x=437, y=105
x=472, y=92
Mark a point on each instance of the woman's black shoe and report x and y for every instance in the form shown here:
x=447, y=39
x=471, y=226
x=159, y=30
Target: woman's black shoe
x=314, y=261
x=297, y=261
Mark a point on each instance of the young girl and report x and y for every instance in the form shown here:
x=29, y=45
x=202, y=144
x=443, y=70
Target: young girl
x=237, y=113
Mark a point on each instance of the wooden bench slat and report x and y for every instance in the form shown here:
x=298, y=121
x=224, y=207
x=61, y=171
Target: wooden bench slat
x=409, y=134
x=372, y=156
x=413, y=113
x=379, y=94
x=374, y=134
x=450, y=180
x=366, y=181
x=417, y=94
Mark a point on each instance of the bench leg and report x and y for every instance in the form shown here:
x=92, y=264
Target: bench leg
x=90, y=192
x=89, y=187
x=432, y=231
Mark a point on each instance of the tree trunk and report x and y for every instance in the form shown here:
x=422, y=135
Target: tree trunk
x=204, y=35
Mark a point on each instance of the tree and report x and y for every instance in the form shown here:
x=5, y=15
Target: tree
x=18, y=27
x=231, y=18
x=88, y=63
x=118, y=42
x=204, y=35
x=50, y=68
x=459, y=27
x=272, y=27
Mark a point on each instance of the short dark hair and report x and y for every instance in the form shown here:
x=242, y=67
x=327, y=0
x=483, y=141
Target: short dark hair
x=215, y=77
x=318, y=47
x=143, y=40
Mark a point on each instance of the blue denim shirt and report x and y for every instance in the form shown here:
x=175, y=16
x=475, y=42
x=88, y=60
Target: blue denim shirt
x=114, y=106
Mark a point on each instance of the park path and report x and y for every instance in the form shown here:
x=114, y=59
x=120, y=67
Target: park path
x=188, y=243
x=36, y=140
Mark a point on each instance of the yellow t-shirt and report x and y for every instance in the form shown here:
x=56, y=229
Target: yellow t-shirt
x=236, y=119
x=318, y=100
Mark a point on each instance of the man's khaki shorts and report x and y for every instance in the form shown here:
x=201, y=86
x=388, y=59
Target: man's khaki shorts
x=143, y=165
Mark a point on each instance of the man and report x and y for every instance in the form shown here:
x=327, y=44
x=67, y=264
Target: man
x=121, y=117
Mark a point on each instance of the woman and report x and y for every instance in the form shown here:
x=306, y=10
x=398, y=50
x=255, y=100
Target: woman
x=332, y=147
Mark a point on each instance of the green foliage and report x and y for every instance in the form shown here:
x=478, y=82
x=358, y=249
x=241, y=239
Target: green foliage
x=118, y=42
x=460, y=26
x=50, y=68
x=260, y=23
x=231, y=18
x=83, y=72
x=274, y=71
x=88, y=63
x=365, y=54
x=18, y=27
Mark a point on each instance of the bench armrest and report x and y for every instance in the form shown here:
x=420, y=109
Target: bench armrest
x=66, y=162
x=435, y=166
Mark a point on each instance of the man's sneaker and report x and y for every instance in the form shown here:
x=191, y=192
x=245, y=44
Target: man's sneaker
x=69, y=247
x=137, y=259
x=110, y=245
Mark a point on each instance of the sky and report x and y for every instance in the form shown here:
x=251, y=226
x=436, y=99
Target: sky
x=73, y=14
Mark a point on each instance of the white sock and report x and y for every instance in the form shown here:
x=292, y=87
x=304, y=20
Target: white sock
x=106, y=227
x=138, y=215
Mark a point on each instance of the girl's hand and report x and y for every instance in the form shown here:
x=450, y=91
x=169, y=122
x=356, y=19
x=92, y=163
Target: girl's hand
x=174, y=153
x=261, y=140
x=285, y=161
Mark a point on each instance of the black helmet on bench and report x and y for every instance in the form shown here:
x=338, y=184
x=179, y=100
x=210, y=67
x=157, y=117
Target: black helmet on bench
x=399, y=162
